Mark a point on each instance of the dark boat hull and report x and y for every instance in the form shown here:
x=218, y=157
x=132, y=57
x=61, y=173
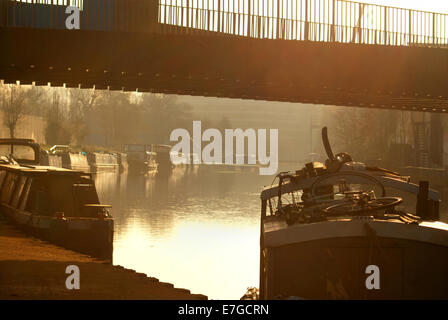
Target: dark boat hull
x=335, y=267
x=86, y=235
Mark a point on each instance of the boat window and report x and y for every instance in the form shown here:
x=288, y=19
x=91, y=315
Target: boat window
x=8, y=187
x=18, y=152
x=18, y=191
x=25, y=194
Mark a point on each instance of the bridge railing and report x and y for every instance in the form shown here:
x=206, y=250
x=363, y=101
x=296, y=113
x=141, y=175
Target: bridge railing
x=306, y=20
x=314, y=20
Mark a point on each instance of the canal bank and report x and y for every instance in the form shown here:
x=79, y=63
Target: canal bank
x=35, y=269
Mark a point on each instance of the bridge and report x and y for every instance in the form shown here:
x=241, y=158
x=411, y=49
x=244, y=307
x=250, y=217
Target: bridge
x=332, y=52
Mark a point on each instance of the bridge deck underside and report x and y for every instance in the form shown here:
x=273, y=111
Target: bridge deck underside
x=404, y=78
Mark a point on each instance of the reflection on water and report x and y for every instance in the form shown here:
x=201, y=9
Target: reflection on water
x=198, y=229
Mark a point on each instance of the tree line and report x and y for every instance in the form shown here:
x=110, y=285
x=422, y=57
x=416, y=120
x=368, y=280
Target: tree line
x=82, y=117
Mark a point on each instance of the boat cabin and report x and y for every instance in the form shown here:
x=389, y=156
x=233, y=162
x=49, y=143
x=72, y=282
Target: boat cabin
x=47, y=191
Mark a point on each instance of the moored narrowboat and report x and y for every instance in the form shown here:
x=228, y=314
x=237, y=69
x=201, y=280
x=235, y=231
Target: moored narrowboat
x=56, y=204
x=102, y=162
x=342, y=230
x=163, y=159
x=140, y=159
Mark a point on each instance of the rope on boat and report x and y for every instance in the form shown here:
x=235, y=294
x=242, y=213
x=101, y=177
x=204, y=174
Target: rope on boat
x=410, y=218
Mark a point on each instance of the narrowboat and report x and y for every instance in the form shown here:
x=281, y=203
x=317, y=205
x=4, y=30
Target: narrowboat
x=140, y=158
x=102, y=162
x=163, y=158
x=75, y=161
x=56, y=204
x=342, y=230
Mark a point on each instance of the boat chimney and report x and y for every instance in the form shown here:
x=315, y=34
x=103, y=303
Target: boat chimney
x=427, y=209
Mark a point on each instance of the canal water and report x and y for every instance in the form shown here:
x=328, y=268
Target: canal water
x=198, y=228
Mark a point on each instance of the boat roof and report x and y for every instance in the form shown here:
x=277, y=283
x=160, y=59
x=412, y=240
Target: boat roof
x=97, y=205
x=29, y=169
x=15, y=140
x=60, y=146
x=348, y=172
x=278, y=233
x=161, y=147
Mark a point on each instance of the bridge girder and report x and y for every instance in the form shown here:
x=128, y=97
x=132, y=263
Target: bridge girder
x=404, y=78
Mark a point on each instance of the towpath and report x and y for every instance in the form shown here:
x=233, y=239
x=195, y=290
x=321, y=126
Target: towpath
x=34, y=269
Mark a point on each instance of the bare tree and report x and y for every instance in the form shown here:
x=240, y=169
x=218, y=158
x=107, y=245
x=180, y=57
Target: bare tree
x=81, y=103
x=364, y=133
x=114, y=112
x=57, y=130
x=37, y=99
x=13, y=107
